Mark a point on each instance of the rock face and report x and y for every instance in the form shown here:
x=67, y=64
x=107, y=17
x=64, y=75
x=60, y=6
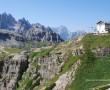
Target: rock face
x=7, y=21
x=8, y=38
x=67, y=77
x=100, y=52
x=41, y=33
x=11, y=71
x=48, y=67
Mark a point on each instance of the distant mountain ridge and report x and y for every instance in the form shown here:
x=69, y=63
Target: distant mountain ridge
x=27, y=30
x=62, y=31
x=66, y=34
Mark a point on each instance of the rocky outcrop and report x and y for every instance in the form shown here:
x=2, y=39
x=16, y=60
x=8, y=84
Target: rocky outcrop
x=9, y=38
x=11, y=70
x=67, y=77
x=100, y=52
x=48, y=67
x=31, y=78
x=77, y=51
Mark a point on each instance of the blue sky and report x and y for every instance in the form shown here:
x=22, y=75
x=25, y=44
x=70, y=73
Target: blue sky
x=74, y=14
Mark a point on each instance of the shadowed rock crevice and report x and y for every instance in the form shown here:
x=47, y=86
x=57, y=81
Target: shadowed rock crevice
x=11, y=70
x=1, y=68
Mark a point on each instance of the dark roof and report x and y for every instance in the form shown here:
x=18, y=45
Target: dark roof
x=100, y=22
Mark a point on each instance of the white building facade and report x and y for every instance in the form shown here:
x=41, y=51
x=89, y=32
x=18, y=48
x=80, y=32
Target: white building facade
x=103, y=27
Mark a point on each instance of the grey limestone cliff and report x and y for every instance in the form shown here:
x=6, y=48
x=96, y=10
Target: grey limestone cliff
x=11, y=70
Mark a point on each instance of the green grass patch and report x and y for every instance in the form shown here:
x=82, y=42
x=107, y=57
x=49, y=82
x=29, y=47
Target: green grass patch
x=67, y=65
x=37, y=44
x=44, y=52
x=103, y=87
x=3, y=55
x=92, y=76
x=13, y=50
x=95, y=41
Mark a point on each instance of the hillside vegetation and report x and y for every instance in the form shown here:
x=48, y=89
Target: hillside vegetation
x=95, y=41
x=94, y=71
x=90, y=77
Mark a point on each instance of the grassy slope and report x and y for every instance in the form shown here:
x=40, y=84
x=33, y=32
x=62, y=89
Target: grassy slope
x=3, y=55
x=7, y=51
x=99, y=71
x=13, y=50
x=44, y=52
x=67, y=65
x=96, y=41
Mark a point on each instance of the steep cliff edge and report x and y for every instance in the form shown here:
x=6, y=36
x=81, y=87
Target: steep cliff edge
x=46, y=66
x=67, y=77
x=11, y=70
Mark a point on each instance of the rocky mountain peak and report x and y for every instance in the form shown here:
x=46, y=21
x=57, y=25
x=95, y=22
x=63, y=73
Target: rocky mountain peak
x=7, y=21
x=26, y=30
x=24, y=23
x=37, y=25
